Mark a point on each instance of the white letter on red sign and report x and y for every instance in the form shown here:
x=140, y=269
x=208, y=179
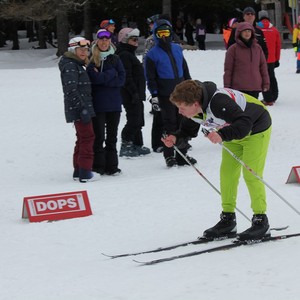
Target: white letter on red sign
x=41, y=206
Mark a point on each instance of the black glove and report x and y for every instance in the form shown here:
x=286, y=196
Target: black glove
x=276, y=64
x=155, y=104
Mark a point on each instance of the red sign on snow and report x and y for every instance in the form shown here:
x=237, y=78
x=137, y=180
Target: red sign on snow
x=56, y=206
x=294, y=175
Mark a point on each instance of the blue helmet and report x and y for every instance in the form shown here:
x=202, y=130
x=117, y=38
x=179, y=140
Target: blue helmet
x=152, y=19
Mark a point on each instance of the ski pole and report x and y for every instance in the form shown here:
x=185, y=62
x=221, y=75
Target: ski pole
x=206, y=132
x=259, y=178
x=197, y=170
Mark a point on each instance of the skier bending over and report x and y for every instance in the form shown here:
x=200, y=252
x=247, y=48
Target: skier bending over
x=243, y=124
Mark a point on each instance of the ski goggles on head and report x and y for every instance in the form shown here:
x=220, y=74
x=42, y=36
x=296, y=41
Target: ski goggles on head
x=110, y=22
x=163, y=33
x=82, y=43
x=103, y=35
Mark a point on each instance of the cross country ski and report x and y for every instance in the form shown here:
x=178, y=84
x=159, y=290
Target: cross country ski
x=233, y=244
x=201, y=240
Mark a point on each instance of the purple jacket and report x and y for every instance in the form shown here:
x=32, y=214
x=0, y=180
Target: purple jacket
x=245, y=66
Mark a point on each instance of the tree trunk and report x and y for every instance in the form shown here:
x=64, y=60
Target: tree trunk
x=14, y=35
x=30, y=31
x=62, y=26
x=167, y=8
x=87, y=25
x=41, y=35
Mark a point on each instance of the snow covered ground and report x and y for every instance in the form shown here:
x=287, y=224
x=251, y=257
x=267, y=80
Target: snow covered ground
x=146, y=207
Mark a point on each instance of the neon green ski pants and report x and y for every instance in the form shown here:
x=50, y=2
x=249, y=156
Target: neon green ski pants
x=252, y=150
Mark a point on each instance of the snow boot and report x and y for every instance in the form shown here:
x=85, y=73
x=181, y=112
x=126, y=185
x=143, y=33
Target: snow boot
x=171, y=162
x=88, y=176
x=226, y=227
x=182, y=162
x=142, y=150
x=260, y=228
x=113, y=172
x=128, y=150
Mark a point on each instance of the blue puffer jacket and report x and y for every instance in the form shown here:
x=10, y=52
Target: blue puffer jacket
x=107, y=81
x=165, y=65
x=76, y=87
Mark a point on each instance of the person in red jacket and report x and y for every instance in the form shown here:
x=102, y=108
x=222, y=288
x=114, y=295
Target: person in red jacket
x=273, y=40
x=245, y=67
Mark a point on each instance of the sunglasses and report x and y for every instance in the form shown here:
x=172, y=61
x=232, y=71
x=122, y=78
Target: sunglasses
x=163, y=33
x=250, y=14
x=82, y=43
x=134, y=38
x=103, y=35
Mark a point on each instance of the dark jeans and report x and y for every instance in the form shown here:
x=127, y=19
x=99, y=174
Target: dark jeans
x=272, y=94
x=132, y=131
x=105, y=146
x=83, y=151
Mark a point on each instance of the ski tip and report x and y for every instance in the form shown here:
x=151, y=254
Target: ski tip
x=111, y=256
x=280, y=228
x=140, y=263
x=106, y=255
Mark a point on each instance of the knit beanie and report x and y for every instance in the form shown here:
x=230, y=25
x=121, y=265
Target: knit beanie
x=263, y=14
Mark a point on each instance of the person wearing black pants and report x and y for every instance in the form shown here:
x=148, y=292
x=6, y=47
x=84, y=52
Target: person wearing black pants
x=107, y=75
x=105, y=150
x=133, y=94
x=165, y=67
x=132, y=130
x=171, y=122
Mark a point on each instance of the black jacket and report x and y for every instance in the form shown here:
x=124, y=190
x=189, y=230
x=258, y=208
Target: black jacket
x=76, y=87
x=239, y=123
x=135, y=85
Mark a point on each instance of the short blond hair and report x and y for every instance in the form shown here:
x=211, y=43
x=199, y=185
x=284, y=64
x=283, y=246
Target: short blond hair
x=187, y=92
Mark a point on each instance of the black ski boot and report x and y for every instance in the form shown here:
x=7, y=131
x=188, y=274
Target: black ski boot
x=171, y=162
x=225, y=228
x=182, y=162
x=128, y=150
x=260, y=228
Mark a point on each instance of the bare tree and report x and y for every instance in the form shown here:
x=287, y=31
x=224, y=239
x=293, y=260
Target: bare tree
x=62, y=27
x=167, y=8
x=40, y=11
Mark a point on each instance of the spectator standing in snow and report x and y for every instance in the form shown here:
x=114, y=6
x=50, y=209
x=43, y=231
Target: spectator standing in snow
x=245, y=67
x=232, y=23
x=107, y=76
x=189, y=32
x=273, y=40
x=110, y=26
x=165, y=67
x=157, y=126
x=249, y=17
x=78, y=106
x=133, y=93
x=200, y=34
x=178, y=28
x=296, y=43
